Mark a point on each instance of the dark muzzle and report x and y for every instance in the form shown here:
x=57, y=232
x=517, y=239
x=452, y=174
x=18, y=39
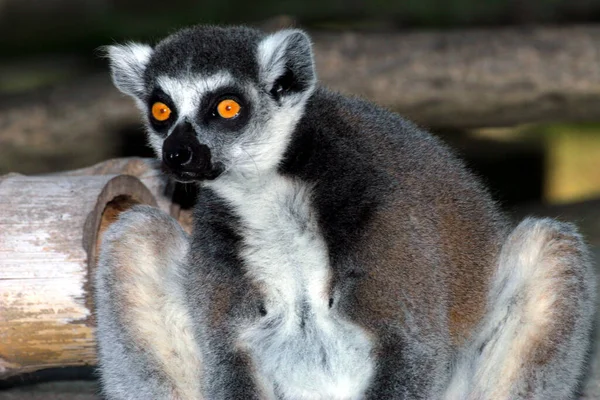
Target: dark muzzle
x=185, y=157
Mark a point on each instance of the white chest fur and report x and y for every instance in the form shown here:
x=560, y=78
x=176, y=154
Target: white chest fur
x=302, y=347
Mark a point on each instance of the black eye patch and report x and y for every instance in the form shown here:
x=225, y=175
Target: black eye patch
x=161, y=127
x=209, y=115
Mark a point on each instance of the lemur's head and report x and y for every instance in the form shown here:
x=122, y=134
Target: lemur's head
x=218, y=99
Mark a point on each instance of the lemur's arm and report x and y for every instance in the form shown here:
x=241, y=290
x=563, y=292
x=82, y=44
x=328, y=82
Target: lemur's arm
x=535, y=335
x=146, y=345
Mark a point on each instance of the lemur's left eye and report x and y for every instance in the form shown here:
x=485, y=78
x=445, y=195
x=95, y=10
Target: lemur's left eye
x=228, y=108
x=160, y=111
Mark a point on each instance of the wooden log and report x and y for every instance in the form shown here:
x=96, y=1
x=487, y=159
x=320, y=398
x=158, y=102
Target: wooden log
x=49, y=233
x=470, y=78
x=148, y=171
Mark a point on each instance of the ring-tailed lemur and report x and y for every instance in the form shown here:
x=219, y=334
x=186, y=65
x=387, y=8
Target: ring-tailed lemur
x=338, y=251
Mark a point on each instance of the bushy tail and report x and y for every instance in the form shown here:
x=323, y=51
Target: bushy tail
x=534, y=339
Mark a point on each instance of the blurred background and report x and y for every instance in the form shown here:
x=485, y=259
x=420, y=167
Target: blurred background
x=512, y=85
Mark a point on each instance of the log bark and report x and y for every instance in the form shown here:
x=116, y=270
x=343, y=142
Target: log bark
x=147, y=170
x=50, y=229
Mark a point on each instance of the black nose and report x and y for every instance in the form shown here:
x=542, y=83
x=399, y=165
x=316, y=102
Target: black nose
x=180, y=149
x=178, y=157
x=186, y=158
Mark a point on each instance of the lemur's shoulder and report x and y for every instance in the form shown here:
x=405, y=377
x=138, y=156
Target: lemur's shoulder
x=350, y=125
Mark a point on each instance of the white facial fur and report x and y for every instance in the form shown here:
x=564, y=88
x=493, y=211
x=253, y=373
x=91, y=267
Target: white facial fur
x=261, y=145
x=186, y=93
x=262, y=148
x=306, y=349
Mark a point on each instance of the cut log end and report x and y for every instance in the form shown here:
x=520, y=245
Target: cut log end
x=46, y=299
x=118, y=195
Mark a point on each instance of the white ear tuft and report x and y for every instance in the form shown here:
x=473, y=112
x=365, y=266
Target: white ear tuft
x=128, y=63
x=285, y=59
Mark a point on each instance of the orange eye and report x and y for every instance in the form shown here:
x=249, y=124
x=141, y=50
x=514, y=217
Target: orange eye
x=228, y=108
x=160, y=111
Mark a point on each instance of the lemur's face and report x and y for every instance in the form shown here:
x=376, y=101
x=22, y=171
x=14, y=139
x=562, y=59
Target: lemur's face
x=218, y=100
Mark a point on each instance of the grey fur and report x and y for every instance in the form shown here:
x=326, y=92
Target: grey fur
x=545, y=315
x=134, y=255
x=338, y=251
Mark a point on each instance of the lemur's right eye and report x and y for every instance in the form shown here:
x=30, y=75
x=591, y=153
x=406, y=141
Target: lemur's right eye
x=160, y=111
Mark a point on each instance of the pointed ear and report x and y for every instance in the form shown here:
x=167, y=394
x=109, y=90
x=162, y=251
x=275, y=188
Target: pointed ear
x=286, y=64
x=128, y=63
